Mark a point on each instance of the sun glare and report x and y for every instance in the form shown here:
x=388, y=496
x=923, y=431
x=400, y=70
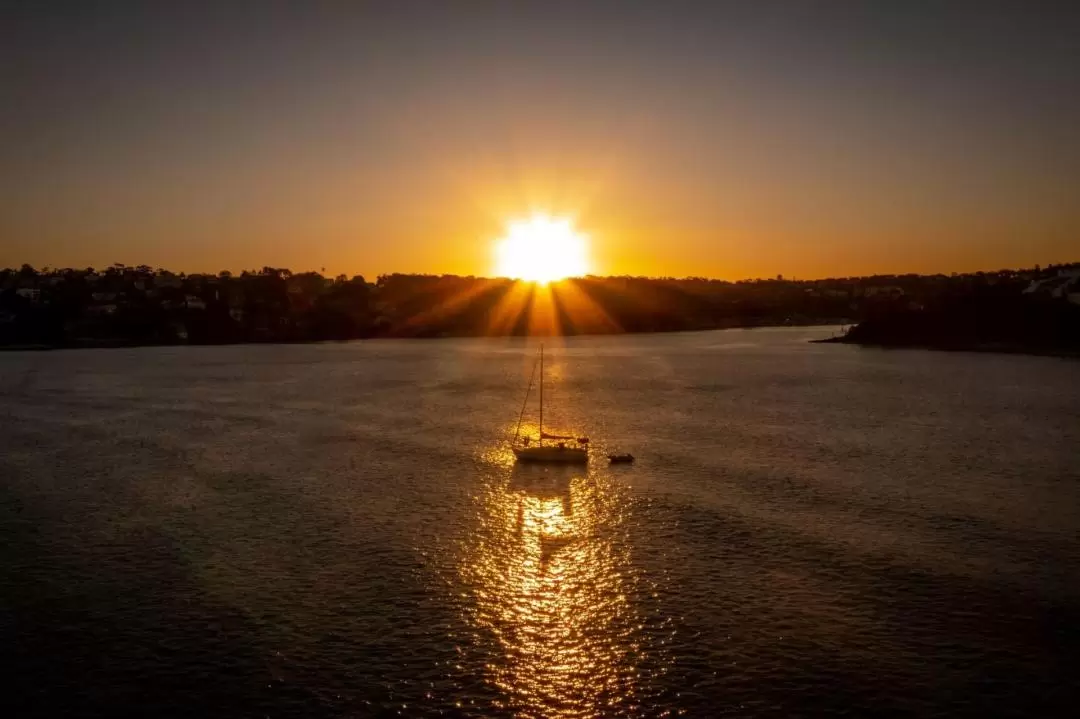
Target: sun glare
x=542, y=249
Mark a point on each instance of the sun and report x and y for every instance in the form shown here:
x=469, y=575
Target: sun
x=542, y=249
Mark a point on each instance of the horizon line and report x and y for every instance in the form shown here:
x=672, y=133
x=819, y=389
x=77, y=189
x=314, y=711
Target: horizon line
x=779, y=277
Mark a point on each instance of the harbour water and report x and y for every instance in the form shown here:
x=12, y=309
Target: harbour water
x=339, y=530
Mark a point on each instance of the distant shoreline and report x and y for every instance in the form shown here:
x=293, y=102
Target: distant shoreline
x=142, y=307
x=981, y=348
x=104, y=344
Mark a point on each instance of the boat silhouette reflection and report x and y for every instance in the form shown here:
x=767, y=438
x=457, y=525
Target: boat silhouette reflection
x=549, y=573
x=546, y=505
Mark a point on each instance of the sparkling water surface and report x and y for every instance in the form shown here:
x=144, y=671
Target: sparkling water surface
x=339, y=530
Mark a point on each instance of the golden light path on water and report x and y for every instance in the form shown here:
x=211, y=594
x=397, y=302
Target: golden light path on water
x=549, y=570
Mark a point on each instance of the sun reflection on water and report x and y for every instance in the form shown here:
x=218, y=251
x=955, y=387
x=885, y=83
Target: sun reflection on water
x=549, y=571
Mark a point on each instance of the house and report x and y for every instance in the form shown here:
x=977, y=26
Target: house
x=103, y=296
x=30, y=293
x=168, y=279
x=180, y=330
x=236, y=301
x=194, y=303
x=884, y=291
x=1062, y=286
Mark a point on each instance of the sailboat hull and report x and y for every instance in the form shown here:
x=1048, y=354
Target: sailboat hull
x=556, y=455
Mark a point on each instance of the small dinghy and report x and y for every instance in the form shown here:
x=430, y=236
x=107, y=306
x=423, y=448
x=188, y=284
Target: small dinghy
x=621, y=458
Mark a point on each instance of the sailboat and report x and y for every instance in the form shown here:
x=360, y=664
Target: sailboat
x=560, y=452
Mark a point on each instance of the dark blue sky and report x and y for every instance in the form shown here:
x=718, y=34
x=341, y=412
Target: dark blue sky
x=728, y=139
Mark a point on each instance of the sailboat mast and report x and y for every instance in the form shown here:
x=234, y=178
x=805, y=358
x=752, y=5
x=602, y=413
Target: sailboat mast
x=541, y=394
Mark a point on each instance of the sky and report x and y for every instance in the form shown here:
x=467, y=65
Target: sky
x=722, y=139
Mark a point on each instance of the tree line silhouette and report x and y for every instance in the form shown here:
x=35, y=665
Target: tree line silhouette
x=1043, y=317
x=126, y=305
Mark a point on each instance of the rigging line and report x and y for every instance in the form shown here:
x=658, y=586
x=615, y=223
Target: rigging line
x=525, y=403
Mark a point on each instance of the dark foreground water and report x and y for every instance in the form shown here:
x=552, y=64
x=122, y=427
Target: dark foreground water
x=338, y=530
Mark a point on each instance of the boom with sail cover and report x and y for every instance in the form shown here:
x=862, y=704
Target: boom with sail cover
x=582, y=440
